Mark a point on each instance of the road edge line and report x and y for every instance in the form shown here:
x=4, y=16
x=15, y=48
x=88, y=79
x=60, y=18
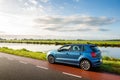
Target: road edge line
x=42, y=67
x=23, y=62
x=72, y=75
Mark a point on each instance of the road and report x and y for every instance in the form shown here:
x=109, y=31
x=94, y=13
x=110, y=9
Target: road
x=19, y=68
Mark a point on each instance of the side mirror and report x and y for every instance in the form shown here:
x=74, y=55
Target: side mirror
x=59, y=50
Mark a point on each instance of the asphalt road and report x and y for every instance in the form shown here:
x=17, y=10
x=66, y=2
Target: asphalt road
x=20, y=68
x=12, y=69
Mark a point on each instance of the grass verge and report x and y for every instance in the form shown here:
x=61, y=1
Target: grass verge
x=25, y=53
x=111, y=65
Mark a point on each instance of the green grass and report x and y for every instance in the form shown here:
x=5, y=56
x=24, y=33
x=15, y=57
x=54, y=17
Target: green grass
x=106, y=43
x=25, y=53
x=110, y=58
x=110, y=65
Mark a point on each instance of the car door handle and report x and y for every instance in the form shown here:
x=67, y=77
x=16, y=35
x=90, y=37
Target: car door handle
x=80, y=53
x=67, y=53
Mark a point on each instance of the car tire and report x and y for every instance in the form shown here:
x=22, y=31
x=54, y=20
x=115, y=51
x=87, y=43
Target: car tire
x=51, y=59
x=85, y=65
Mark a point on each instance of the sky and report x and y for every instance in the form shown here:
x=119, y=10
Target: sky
x=74, y=19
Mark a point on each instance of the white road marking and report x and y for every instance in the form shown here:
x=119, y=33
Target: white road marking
x=23, y=62
x=72, y=75
x=42, y=67
x=10, y=58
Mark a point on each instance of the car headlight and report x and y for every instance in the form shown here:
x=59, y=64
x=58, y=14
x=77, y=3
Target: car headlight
x=100, y=60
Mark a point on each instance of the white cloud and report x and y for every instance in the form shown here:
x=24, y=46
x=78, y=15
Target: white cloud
x=33, y=7
x=2, y=32
x=24, y=7
x=13, y=24
x=34, y=2
x=74, y=23
x=45, y=1
x=16, y=16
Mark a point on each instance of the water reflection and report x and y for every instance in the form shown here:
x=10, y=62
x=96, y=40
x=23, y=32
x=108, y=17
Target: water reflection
x=31, y=47
x=111, y=51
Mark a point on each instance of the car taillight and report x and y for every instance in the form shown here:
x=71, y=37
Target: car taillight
x=93, y=54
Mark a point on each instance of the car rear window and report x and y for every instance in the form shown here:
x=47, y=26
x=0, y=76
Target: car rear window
x=94, y=48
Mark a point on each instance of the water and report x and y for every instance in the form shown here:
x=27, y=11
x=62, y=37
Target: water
x=109, y=51
x=31, y=47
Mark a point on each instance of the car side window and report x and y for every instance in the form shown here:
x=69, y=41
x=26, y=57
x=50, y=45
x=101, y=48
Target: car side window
x=76, y=48
x=65, y=48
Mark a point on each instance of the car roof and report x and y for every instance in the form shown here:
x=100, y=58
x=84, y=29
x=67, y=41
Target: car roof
x=80, y=44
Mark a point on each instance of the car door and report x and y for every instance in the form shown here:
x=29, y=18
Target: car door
x=62, y=54
x=74, y=54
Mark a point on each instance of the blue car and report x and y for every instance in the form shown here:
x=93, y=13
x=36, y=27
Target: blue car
x=84, y=55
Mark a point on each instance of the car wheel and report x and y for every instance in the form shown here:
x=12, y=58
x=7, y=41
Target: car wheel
x=85, y=65
x=51, y=59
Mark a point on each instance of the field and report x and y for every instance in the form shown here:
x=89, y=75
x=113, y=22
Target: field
x=105, y=43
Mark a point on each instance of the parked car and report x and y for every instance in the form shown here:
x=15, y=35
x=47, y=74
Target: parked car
x=84, y=55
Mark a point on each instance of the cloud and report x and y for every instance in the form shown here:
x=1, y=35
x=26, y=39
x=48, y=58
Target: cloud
x=45, y=1
x=2, y=32
x=87, y=20
x=33, y=2
x=25, y=7
x=75, y=29
x=74, y=23
x=33, y=6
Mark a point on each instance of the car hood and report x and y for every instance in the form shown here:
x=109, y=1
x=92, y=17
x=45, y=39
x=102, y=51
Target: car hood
x=52, y=52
